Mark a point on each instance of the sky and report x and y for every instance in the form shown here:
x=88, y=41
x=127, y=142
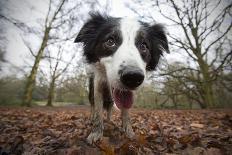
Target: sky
x=32, y=13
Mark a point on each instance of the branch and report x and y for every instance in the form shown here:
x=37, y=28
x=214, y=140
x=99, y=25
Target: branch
x=66, y=67
x=182, y=24
x=183, y=46
x=228, y=56
x=47, y=16
x=20, y=25
x=216, y=23
x=178, y=70
x=167, y=17
x=28, y=47
x=56, y=13
x=216, y=40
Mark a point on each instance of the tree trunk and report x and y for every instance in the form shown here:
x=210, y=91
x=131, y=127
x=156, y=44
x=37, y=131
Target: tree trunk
x=31, y=78
x=30, y=85
x=173, y=98
x=207, y=85
x=51, y=92
x=209, y=97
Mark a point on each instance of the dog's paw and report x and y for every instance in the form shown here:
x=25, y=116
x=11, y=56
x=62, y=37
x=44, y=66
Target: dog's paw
x=91, y=118
x=94, y=136
x=129, y=131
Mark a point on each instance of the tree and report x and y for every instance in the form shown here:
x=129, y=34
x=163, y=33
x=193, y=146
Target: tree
x=56, y=71
x=179, y=84
x=223, y=87
x=73, y=89
x=50, y=23
x=204, y=37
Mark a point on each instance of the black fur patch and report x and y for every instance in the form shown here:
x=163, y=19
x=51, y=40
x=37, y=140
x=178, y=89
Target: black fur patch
x=106, y=95
x=95, y=33
x=158, y=41
x=107, y=98
x=91, y=89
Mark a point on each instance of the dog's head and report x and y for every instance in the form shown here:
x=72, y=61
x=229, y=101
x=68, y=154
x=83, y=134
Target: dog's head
x=127, y=48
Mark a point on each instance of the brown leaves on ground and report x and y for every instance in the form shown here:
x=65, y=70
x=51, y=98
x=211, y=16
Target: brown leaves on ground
x=63, y=131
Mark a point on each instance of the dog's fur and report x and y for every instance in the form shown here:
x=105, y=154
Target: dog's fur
x=120, y=51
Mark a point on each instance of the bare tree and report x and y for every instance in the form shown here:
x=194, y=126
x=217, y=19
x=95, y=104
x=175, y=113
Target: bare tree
x=56, y=71
x=73, y=89
x=50, y=23
x=181, y=82
x=205, y=27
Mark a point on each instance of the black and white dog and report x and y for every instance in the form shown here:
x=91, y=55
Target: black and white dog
x=120, y=51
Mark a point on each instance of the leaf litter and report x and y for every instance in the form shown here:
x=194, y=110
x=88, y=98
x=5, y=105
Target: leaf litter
x=63, y=131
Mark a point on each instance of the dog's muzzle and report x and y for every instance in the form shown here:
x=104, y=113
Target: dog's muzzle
x=131, y=77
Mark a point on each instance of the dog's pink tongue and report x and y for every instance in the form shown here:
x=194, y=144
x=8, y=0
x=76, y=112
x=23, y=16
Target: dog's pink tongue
x=123, y=99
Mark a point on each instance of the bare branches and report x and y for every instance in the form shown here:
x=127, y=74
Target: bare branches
x=177, y=10
x=58, y=9
x=182, y=45
x=217, y=39
x=225, y=60
x=182, y=81
x=166, y=16
x=210, y=28
x=142, y=16
x=47, y=16
x=28, y=47
x=20, y=25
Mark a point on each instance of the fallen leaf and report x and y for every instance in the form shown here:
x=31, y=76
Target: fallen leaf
x=196, y=125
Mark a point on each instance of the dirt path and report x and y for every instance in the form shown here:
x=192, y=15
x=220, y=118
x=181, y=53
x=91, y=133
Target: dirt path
x=63, y=131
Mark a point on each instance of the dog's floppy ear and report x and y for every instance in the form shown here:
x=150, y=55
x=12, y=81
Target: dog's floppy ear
x=159, y=43
x=89, y=30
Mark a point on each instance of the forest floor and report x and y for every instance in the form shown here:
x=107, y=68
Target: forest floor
x=63, y=131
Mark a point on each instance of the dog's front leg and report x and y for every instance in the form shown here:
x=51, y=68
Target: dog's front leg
x=97, y=120
x=126, y=124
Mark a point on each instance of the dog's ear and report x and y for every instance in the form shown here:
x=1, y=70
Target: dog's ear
x=159, y=43
x=89, y=30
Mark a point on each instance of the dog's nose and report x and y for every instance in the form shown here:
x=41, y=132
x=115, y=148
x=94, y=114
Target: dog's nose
x=132, y=78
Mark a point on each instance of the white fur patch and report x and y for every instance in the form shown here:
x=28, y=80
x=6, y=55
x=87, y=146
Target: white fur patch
x=127, y=54
x=128, y=51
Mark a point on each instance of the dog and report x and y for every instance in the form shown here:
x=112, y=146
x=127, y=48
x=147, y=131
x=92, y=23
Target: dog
x=121, y=51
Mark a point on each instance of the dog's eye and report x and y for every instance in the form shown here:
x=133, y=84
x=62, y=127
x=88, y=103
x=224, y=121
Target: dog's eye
x=110, y=42
x=143, y=46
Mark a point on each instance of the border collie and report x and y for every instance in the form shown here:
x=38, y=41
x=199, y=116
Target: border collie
x=120, y=52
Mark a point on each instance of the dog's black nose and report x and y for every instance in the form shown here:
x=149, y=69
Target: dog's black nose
x=131, y=77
